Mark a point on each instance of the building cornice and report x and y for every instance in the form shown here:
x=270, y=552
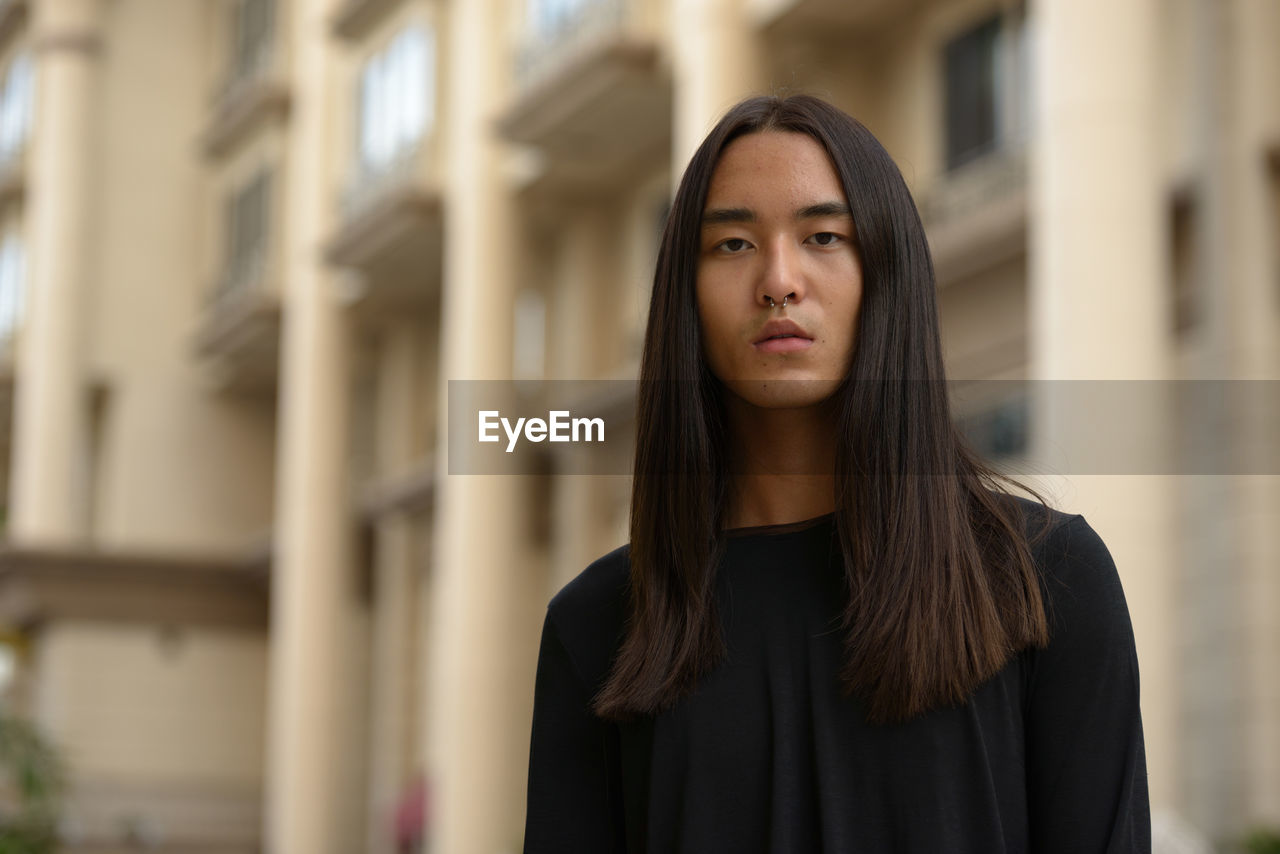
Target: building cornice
x=83, y=41
x=43, y=583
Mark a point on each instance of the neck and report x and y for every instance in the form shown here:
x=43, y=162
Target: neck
x=783, y=464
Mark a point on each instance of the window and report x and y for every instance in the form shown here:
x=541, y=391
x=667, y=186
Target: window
x=397, y=100
x=1186, y=267
x=16, y=94
x=971, y=93
x=251, y=26
x=557, y=29
x=549, y=19
x=247, y=226
x=12, y=272
x=986, y=88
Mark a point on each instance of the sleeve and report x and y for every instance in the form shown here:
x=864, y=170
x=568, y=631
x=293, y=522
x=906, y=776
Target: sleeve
x=1086, y=761
x=574, y=796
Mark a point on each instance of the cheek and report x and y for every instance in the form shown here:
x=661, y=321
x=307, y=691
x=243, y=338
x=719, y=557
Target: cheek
x=708, y=327
x=852, y=302
x=844, y=331
x=718, y=336
x=714, y=336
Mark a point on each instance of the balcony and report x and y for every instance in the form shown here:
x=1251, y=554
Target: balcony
x=594, y=95
x=411, y=490
x=238, y=342
x=976, y=216
x=353, y=19
x=252, y=95
x=391, y=235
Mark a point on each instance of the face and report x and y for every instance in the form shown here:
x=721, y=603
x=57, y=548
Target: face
x=777, y=227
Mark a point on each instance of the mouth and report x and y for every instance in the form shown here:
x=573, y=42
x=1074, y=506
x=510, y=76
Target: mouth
x=783, y=344
x=782, y=336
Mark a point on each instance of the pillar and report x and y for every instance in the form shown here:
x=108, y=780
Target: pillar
x=314, y=787
x=717, y=60
x=478, y=587
x=392, y=761
x=49, y=490
x=1099, y=313
x=583, y=337
x=1244, y=333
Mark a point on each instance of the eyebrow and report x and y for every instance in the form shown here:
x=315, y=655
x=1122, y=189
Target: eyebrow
x=720, y=216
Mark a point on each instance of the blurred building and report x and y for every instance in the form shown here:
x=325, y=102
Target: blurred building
x=245, y=244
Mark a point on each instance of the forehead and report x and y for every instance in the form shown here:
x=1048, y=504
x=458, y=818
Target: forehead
x=772, y=167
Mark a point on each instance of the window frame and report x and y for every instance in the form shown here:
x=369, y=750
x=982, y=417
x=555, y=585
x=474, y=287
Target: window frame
x=395, y=91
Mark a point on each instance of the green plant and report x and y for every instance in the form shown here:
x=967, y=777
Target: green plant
x=1262, y=841
x=32, y=782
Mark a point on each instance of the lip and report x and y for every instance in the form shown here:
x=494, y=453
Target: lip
x=766, y=342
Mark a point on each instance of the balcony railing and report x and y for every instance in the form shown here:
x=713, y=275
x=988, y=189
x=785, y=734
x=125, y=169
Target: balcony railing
x=240, y=276
x=976, y=215
x=371, y=183
x=241, y=75
x=594, y=98
x=974, y=186
x=250, y=91
x=391, y=229
x=550, y=37
x=238, y=338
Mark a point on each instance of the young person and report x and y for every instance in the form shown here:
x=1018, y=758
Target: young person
x=831, y=630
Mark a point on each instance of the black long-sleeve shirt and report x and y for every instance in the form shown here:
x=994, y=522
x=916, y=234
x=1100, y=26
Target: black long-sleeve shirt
x=769, y=755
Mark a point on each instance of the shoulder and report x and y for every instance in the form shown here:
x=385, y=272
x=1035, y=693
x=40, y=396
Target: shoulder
x=589, y=613
x=1038, y=520
x=1079, y=579
x=1072, y=558
x=1090, y=631
x=593, y=590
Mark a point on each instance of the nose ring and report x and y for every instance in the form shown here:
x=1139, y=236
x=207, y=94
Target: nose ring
x=784, y=300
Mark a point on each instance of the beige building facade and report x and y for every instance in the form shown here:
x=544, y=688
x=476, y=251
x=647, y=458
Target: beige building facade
x=246, y=245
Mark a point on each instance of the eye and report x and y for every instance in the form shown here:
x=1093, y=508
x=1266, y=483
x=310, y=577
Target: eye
x=826, y=238
x=732, y=245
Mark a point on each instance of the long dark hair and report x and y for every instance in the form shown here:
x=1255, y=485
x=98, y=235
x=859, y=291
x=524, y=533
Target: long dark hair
x=942, y=590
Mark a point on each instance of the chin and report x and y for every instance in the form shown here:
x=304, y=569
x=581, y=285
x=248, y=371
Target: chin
x=779, y=393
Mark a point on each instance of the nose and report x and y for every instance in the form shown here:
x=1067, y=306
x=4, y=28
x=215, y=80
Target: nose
x=781, y=278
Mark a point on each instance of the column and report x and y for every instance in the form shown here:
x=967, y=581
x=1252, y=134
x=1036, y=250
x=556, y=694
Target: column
x=49, y=495
x=395, y=614
x=1245, y=335
x=717, y=60
x=479, y=584
x=314, y=791
x=583, y=336
x=1098, y=308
